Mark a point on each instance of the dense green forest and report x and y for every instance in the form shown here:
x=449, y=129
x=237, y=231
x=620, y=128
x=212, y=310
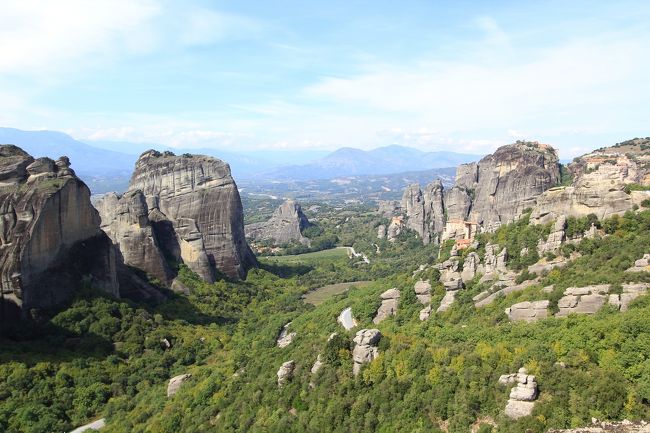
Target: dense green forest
x=105, y=357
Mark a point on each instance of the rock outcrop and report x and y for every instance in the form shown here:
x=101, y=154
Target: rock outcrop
x=175, y=383
x=346, y=319
x=389, y=304
x=285, y=226
x=590, y=299
x=365, y=349
x=583, y=300
x=180, y=209
x=50, y=236
x=504, y=184
x=423, y=291
x=522, y=396
x=528, y=311
x=470, y=266
x=424, y=210
x=285, y=337
x=555, y=238
x=598, y=188
x=641, y=265
x=285, y=373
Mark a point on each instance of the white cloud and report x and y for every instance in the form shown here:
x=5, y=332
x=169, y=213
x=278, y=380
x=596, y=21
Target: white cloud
x=600, y=79
x=38, y=37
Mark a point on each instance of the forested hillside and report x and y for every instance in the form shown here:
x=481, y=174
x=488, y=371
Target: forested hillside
x=104, y=357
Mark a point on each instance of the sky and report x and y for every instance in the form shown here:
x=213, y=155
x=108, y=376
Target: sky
x=466, y=76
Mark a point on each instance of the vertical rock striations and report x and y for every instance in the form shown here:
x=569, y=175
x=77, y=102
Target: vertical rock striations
x=285, y=226
x=183, y=209
x=50, y=239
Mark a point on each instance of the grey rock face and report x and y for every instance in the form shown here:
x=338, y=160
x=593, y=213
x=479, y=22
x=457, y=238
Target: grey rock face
x=388, y=208
x=590, y=299
x=470, y=266
x=285, y=226
x=394, y=229
x=126, y=220
x=423, y=291
x=194, y=211
x=285, y=338
x=424, y=211
x=600, y=192
x=522, y=396
x=365, y=349
x=346, y=319
x=425, y=313
x=509, y=181
x=389, y=304
x=381, y=232
x=176, y=382
x=285, y=373
x=49, y=236
x=528, y=311
x=641, y=265
x=582, y=300
x=555, y=238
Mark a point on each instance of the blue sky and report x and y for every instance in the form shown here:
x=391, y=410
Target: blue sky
x=248, y=75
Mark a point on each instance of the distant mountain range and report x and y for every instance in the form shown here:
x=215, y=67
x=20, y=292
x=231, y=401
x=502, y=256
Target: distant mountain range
x=349, y=161
x=107, y=166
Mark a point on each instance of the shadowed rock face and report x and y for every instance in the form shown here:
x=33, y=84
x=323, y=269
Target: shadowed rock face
x=285, y=226
x=184, y=208
x=50, y=239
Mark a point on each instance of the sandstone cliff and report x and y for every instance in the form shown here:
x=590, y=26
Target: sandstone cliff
x=496, y=190
x=285, y=226
x=50, y=239
x=179, y=209
x=502, y=185
x=599, y=186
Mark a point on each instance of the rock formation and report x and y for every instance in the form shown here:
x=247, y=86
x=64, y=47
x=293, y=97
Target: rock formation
x=394, y=229
x=424, y=210
x=388, y=208
x=509, y=181
x=423, y=291
x=598, y=188
x=346, y=319
x=381, y=232
x=285, y=338
x=582, y=300
x=470, y=266
x=285, y=373
x=365, y=349
x=389, y=304
x=590, y=299
x=425, y=313
x=641, y=265
x=528, y=311
x=522, y=396
x=285, y=226
x=176, y=382
x=50, y=239
x=555, y=238
x=180, y=209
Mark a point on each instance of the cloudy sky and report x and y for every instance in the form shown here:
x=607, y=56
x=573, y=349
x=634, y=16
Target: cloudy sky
x=245, y=75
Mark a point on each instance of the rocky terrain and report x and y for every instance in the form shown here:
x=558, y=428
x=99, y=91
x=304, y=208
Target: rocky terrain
x=179, y=209
x=50, y=236
x=494, y=191
x=284, y=227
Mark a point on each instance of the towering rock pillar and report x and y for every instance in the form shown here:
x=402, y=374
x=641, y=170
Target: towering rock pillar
x=194, y=215
x=50, y=239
